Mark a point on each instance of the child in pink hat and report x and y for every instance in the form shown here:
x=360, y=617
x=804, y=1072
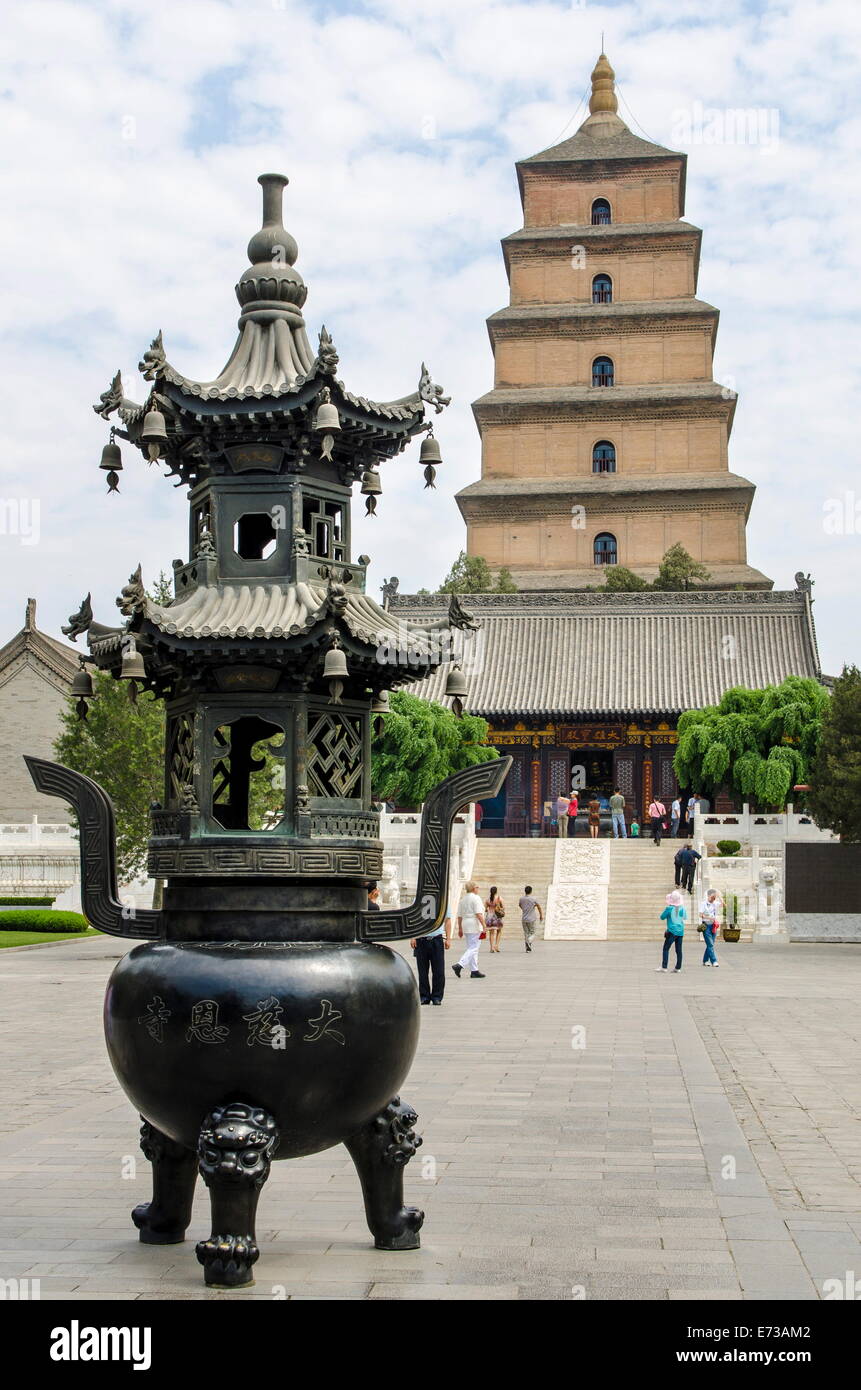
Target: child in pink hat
x=675, y=916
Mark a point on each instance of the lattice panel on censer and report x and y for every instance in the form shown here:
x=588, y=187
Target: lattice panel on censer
x=181, y=756
x=335, y=755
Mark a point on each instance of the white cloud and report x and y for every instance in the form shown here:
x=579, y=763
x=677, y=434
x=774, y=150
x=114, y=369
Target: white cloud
x=133, y=136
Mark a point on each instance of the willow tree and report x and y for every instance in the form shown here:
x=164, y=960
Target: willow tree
x=760, y=743
x=419, y=745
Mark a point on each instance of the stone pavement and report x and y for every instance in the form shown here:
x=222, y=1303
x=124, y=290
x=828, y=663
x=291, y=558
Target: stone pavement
x=703, y=1143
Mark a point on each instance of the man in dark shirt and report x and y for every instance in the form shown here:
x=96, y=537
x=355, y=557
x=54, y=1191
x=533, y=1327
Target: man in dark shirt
x=690, y=859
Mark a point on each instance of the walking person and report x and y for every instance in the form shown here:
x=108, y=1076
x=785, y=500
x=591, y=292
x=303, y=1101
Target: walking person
x=675, y=816
x=573, y=808
x=657, y=811
x=594, y=817
x=692, y=808
x=530, y=912
x=675, y=916
x=710, y=922
x=692, y=858
x=561, y=806
x=679, y=864
x=494, y=916
x=617, y=811
x=470, y=924
x=429, y=952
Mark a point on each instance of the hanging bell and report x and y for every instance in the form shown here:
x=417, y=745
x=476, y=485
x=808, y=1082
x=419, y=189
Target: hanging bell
x=430, y=456
x=455, y=687
x=154, y=432
x=112, y=463
x=111, y=457
x=133, y=667
x=335, y=671
x=335, y=665
x=327, y=419
x=371, y=488
x=82, y=685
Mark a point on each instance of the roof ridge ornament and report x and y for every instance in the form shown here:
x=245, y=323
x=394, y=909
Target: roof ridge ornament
x=154, y=359
x=432, y=393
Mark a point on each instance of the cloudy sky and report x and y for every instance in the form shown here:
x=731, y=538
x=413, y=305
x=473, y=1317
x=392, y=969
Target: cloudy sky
x=133, y=135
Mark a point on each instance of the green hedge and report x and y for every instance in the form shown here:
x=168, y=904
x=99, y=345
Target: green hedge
x=728, y=848
x=36, y=920
x=26, y=902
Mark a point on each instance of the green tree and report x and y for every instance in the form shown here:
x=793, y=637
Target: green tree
x=835, y=774
x=619, y=579
x=759, y=742
x=420, y=744
x=471, y=574
x=679, y=570
x=121, y=746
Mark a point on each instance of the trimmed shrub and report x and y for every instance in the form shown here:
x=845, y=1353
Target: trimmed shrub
x=727, y=848
x=35, y=920
x=26, y=902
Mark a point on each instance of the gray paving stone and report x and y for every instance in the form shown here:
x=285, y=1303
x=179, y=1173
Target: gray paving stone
x=607, y=1161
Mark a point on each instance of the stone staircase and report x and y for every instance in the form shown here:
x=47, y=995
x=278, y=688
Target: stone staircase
x=641, y=876
x=511, y=864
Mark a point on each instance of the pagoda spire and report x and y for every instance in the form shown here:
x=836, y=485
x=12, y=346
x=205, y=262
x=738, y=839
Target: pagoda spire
x=603, y=96
x=603, y=118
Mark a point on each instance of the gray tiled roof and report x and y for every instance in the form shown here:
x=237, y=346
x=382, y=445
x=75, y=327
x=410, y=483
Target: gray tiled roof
x=610, y=313
x=605, y=231
x=604, y=483
x=601, y=143
x=554, y=655
x=280, y=610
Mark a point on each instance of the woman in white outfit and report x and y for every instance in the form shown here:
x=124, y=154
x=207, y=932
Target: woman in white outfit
x=470, y=923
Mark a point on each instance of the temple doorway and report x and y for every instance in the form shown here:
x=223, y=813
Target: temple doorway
x=592, y=775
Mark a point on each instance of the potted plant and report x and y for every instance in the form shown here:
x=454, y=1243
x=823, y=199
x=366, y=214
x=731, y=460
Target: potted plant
x=731, y=931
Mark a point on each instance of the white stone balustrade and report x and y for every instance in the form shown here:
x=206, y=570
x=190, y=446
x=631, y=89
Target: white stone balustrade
x=758, y=828
x=399, y=832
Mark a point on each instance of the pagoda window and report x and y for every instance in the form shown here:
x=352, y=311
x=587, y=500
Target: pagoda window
x=602, y=290
x=601, y=214
x=603, y=373
x=323, y=521
x=603, y=457
x=247, y=779
x=605, y=550
x=254, y=536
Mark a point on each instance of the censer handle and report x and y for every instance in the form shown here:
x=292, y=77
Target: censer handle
x=97, y=834
x=427, y=912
